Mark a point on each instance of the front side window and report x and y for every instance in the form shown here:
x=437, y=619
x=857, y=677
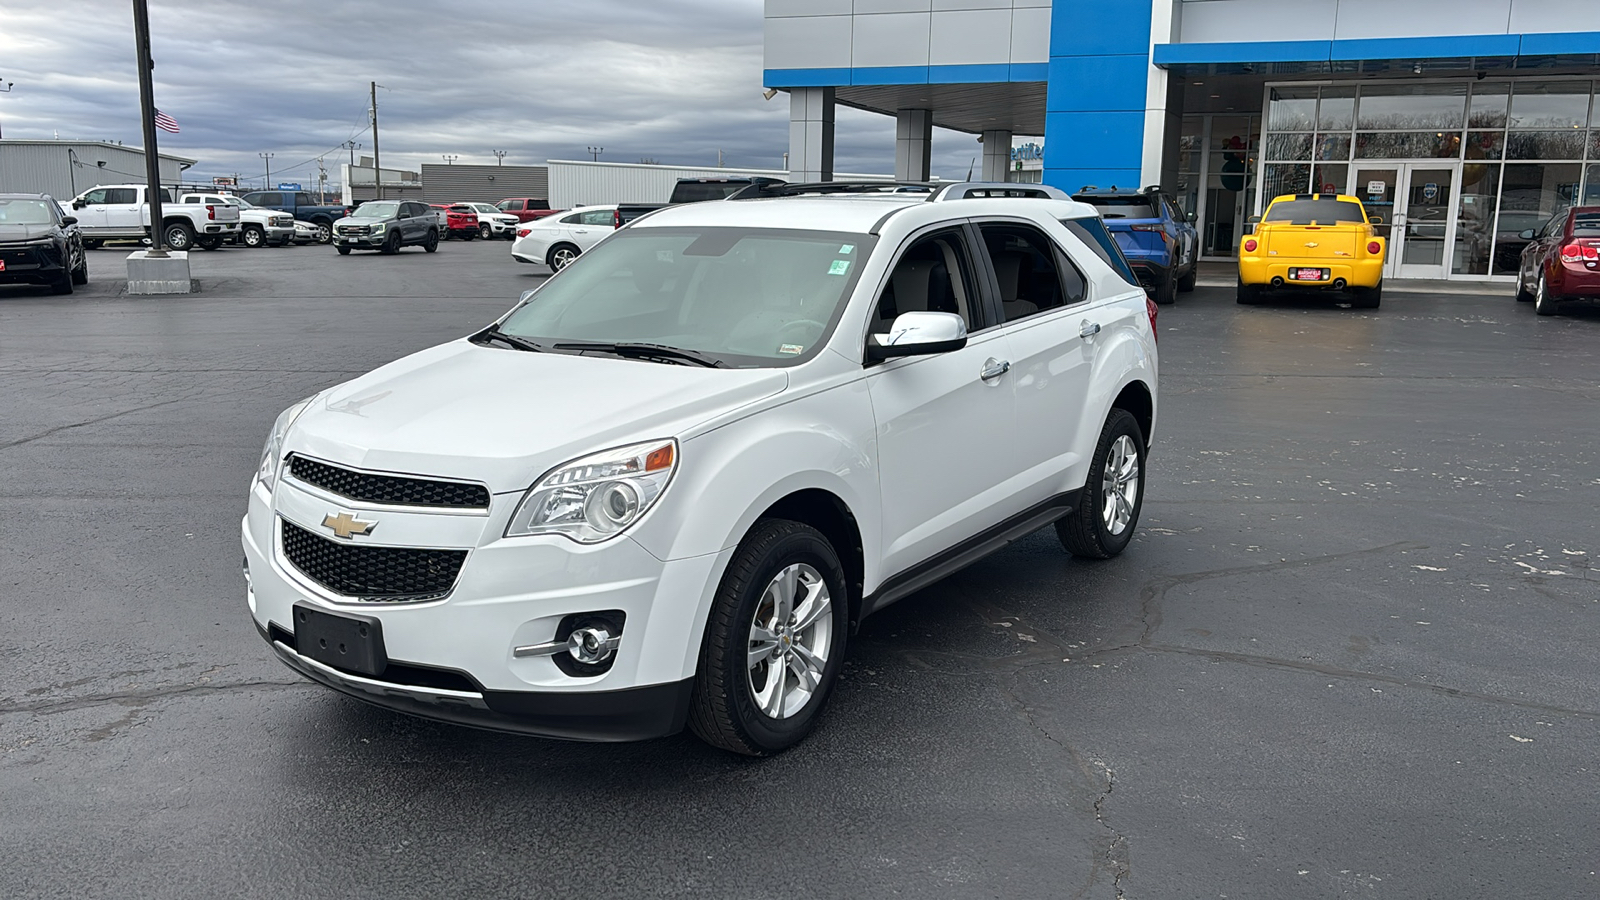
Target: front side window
x=933, y=275
x=741, y=297
x=510, y=205
x=1027, y=269
x=96, y=196
x=1314, y=212
x=574, y=219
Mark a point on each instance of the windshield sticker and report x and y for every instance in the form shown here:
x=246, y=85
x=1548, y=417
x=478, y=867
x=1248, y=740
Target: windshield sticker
x=847, y=249
x=839, y=267
x=791, y=349
x=664, y=256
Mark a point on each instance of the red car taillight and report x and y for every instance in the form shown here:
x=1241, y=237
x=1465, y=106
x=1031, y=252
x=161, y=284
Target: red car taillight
x=1150, y=307
x=1576, y=252
x=1374, y=248
x=524, y=232
x=1250, y=245
x=616, y=218
x=211, y=212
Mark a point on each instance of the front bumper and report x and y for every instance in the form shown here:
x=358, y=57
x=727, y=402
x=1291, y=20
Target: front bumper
x=1355, y=273
x=372, y=241
x=509, y=593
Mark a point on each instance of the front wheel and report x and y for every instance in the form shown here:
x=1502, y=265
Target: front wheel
x=343, y=250
x=1108, y=508
x=484, y=232
x=80, y=272
x=392, y=245
x=774, y=641
x=1543, y=303
x=432, y=243
x=254, y=237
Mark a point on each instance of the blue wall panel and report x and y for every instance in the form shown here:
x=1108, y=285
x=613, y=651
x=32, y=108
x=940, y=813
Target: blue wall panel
x=1094, y=107
x=1097, y=82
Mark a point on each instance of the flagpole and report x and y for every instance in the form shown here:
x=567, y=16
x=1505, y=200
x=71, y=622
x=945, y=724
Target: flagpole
x=147, y=111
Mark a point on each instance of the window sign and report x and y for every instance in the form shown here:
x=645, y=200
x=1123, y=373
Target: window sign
x=1377, y=188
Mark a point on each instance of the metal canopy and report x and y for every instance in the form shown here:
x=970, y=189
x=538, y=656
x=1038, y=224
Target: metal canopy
x=1015, y=106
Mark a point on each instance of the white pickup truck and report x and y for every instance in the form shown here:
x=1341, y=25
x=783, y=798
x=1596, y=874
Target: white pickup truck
x=113, y=212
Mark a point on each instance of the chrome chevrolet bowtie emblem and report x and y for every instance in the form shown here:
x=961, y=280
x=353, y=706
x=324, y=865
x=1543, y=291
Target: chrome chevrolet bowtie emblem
x=347, y=526
x=1311, y=243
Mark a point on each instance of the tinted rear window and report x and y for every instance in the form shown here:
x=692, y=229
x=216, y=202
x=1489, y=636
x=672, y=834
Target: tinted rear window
x=1121, y=207
x=1586, y=225
x=694, y=192
x=1314, y=212
x=1093, y=233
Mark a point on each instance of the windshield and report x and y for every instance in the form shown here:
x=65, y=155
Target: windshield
x=484, y=208
x=241, y=203
x=1120, y=207
x=377, y=209
x=747, y=297
x=1314, y=212
x=26, y=212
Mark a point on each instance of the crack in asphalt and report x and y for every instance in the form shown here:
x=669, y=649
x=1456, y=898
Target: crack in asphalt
x=95, y=421
x=50, y=707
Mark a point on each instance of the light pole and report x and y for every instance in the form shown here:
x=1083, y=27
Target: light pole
x=6, y=90
x=594, y=153
x=450, y=158
x=499, y=157
x=352, y=146
x=267, y=183
x=147, y=112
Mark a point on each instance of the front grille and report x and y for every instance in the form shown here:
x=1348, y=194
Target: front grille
x=372, y=574
x=354, y=229
x=394, y=490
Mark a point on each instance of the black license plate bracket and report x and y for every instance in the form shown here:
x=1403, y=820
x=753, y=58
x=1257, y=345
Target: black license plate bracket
x=345, y=641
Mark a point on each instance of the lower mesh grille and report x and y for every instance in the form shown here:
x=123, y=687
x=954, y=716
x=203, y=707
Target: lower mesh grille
x=372, y=574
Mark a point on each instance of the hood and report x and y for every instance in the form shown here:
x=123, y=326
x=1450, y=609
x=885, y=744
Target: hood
x=20, y=232
x=505, y=417
x=361, y=220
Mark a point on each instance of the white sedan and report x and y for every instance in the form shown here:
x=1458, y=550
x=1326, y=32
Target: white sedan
x=557, y=240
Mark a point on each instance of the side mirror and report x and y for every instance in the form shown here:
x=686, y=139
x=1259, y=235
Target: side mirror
x=1193, y=217
x=79, y=204
x=1375, y=220
x=918, y=334
x=1526, y=235
x=69, y=220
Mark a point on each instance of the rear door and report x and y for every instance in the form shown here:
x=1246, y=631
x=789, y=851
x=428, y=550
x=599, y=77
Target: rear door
x=124, y=212
x=592, y=226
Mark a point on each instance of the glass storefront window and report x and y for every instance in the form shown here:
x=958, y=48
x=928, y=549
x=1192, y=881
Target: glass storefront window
x=1594, y=145
x=1332, y=146
x=1475, y=217
x=1436, y=106
x=1284, y=178
x=1591, y=187
x=1544, y=145
x=1553, y=104
x=1330, y=179
x=1337, y=110
x=1407, y=145
x=1488, y=108
x=1530, y=193
x=1292, y=109
x=1485, y=144
x=1288, y=146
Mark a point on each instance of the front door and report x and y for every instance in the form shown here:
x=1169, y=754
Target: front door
x=1414, y=200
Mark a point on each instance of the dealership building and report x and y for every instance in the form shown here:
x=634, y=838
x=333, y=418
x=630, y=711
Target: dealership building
x=1461, y=123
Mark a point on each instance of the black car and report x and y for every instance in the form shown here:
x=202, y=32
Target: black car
x=39, y=244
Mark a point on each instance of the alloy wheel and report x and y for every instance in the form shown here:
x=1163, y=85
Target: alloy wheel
x=562, y=258
x=791, y=636
x=1120, y=485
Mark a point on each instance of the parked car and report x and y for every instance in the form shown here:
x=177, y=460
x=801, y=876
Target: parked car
x=304, y=207
x=695, y=190
x=257, y=227
x=758, y=423
x=1159, y=241
x=558, y=240
x=39, y=244
x=1322, y=242
x=114, y=212
x=526, y=209
x=386, y=226
x=492, y=223
x=1510, y=226
x=307, y=233
x=1561, y=261
x=461, y=220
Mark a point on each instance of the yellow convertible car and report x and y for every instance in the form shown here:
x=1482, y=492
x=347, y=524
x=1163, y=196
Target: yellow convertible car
x=1313, y=241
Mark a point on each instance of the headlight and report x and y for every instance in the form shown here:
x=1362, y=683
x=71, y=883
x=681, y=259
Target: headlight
x=378, y=228
x=272, y=453
x=597, y=497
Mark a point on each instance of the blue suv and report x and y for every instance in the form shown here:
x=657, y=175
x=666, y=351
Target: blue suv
x=1160, y=242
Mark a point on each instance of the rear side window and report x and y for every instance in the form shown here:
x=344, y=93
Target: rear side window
x=1121, y=207
x=1033, y=275
x=598, y=217
x=121, y=195
x=1586, y=225
x=1314, y=212
x=268, y=199
x=1093, y=232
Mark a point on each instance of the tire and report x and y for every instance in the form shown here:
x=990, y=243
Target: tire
x=468, y=234
x=1093, y=530
x=484, y=232
x=727, y=709
x=1543, y=303
x=177, y=236
x=1367, y=298
x=64, y=286
x=1248, y=294
x=343, y=250
x=1167, y=291
x=561, y=256
x=324, y=232
x=80, y=272
x=209, y=243
x=1187, y=282
x=1523, y=294
x=432, y=243
x=253, y=237
x=391, y=245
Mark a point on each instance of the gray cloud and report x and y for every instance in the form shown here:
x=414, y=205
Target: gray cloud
x=673, y=80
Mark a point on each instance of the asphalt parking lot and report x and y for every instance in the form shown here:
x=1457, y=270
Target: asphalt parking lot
x=1352, y=651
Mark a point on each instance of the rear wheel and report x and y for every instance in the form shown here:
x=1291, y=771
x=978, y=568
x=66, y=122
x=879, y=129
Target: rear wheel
x=1248, y=294
x=1543, y=303
x=254, y=237
x=562, y=255
x=177, y=236
x=1367, y=298
x=1167, y=291
x=324, y=233
x=1108, y=508
x=1187, y=282
x=774, y=641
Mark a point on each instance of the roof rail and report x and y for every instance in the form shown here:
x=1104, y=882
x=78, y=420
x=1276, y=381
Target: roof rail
x=974, y=189
x=796, y=189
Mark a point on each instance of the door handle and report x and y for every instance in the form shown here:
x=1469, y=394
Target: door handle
x=1090, y=329
x=994, y=368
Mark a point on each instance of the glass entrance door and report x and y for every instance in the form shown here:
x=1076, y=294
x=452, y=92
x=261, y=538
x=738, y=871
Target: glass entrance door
x=1415, y=202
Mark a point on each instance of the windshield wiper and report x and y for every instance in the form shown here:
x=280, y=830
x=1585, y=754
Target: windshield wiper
x=641, y=350
x=493, y=333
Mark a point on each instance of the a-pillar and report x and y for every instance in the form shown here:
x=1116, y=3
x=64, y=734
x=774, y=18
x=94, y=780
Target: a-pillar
x=996, y=155
x=811, y=134
x=913, y=144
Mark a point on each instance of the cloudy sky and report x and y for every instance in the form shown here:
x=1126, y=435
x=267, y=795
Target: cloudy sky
x=672, y=80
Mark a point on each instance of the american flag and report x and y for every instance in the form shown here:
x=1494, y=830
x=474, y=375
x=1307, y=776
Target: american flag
x=166, y=122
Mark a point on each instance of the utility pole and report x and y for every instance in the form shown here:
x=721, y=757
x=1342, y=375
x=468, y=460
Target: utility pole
x=267, y=184
x=322, y=182
x=147, y=112
x=377, y=161
x=499, y=157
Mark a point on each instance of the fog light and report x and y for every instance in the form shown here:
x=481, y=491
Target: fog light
x=592, y=645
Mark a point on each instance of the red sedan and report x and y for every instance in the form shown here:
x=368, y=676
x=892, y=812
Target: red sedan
x=1562, y=260
x=461, y=220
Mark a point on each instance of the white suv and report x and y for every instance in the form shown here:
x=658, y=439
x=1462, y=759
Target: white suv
x=666, y=486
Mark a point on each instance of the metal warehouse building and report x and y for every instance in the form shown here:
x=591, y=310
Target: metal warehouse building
x=65, y=169
x=1461, y=122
